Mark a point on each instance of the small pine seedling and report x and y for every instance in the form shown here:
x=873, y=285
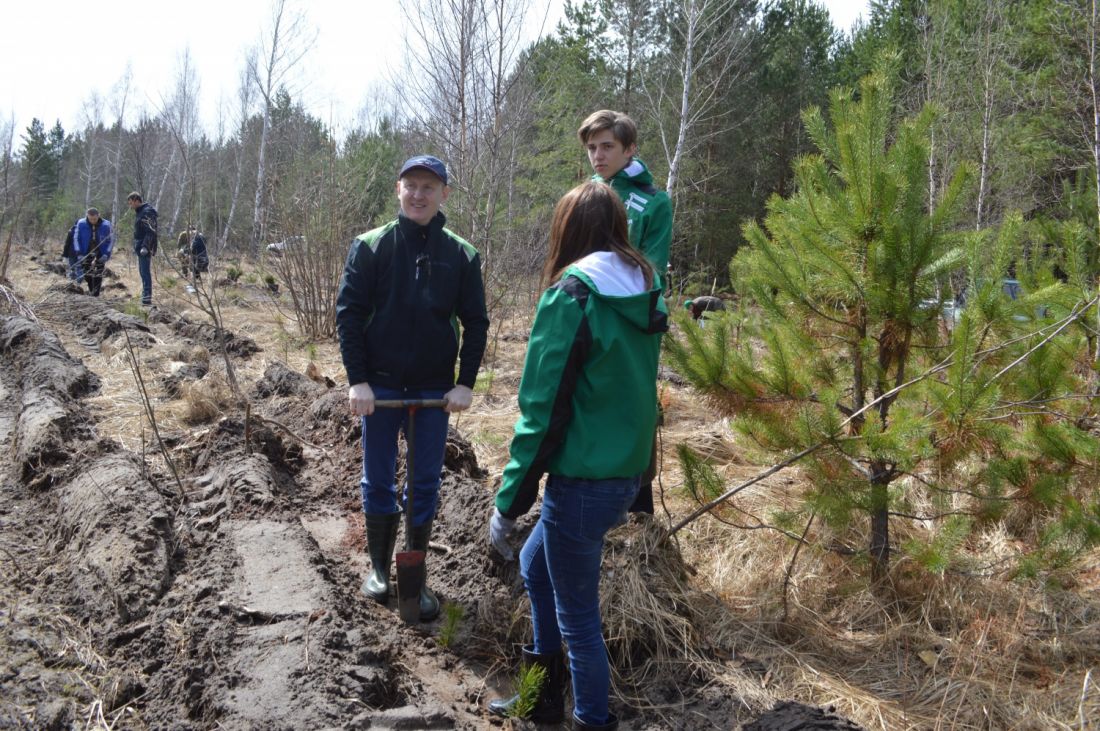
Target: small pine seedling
x=453, y=614
x=528, y=687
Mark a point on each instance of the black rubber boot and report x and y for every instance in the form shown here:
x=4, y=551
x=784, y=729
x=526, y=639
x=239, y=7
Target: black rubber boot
x=429, y=602
x=550, y=707
x=610, y=724
x=381, y=535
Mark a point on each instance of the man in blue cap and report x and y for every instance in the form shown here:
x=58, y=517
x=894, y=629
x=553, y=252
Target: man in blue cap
x=406, y=287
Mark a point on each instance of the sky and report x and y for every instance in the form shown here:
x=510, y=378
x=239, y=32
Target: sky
x=57, y=57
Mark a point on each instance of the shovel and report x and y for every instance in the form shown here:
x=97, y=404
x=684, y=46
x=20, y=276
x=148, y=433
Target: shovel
x=410, y=563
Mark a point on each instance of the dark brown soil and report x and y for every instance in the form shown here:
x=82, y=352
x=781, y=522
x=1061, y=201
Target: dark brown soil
x=226, y=594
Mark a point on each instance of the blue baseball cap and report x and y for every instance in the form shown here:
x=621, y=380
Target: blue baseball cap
x=426, y=162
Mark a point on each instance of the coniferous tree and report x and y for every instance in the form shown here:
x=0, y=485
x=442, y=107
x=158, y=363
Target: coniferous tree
x=843, y=355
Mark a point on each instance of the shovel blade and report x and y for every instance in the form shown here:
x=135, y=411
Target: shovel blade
x=410, y=580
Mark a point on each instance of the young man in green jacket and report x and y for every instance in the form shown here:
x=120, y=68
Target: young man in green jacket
x=611, y=141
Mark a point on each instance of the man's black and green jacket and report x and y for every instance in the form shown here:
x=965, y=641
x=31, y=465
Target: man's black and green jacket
x=405, y=289
x=588, y=397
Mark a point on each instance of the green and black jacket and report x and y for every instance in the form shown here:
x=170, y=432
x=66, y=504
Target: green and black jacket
x=405, y=289
x=588, y=397
x=648, y=212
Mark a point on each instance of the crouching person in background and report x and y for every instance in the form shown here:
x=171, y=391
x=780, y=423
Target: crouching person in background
x=92, y=246
x=588, y=408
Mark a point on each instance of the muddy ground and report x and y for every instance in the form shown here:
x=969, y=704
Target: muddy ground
x=223, y=591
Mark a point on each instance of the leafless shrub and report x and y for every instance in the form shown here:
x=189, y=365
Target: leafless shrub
x=317, y=224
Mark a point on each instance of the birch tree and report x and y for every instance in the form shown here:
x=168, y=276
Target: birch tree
x=92, y=117
x=245, y=102
x=464, y=55
x=282, y=45
x=180, y=113
x=707, y=40
x=120, y=95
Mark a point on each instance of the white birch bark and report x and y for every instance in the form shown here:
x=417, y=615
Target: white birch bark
x=120, y=97
x=274, y=58
x=244, y=99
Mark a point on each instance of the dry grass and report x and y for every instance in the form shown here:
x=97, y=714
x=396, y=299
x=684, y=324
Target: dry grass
x=205, y=400
x=959, y=651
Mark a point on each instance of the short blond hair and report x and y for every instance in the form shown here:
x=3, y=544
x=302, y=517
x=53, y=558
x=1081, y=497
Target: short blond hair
x=621, y=126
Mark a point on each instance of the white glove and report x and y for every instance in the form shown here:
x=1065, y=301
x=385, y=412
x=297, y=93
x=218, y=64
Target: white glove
x=499, y=528
x=361, y=399
x=458, y=399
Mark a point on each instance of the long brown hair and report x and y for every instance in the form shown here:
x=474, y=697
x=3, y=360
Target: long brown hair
x=587, y=219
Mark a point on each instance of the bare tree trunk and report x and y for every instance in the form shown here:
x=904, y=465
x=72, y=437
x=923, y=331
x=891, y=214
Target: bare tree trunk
x=880, y=528
x=120, y=116
x=172, y=223
x=93, y=121
x=279, y=53
x=988, y=63
x=244, y=97
x=155, y=196
x=258, y=228
x=688, y=65
x=1093, y=83
x=712, y=41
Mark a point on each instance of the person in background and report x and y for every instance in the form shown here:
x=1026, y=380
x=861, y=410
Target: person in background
x=588, y=408
x=183, y=251
x=703, y=304
x=200, y=259
x=76, y=273
x=93, y=243
x=145, y=243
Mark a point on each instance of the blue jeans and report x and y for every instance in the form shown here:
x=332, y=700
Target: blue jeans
x=76, y=272
x=145, y=269
x=378, y=485
x=560, y=565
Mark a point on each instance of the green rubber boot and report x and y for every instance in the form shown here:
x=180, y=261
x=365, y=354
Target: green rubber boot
x=381, y=536
x=429, y=602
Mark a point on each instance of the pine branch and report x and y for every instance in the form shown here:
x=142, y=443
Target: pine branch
x=938, y=368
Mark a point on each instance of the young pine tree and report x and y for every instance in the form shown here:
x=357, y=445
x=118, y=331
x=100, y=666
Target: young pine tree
x=841, y=352
x=842, y=272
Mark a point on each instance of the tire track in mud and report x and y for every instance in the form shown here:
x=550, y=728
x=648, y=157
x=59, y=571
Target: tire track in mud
x=218, y=607
x=236, y=603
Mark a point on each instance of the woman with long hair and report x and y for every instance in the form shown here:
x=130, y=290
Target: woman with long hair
x=588, y=408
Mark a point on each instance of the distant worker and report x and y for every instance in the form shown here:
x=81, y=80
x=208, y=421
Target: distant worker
x=145, y=243
x=75, y=272
x=200, y=259
x=703, y=304
x=183, y=250
x=92, y=245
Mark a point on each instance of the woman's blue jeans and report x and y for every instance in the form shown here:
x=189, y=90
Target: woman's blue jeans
x=378, y=485
x=560, y=565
